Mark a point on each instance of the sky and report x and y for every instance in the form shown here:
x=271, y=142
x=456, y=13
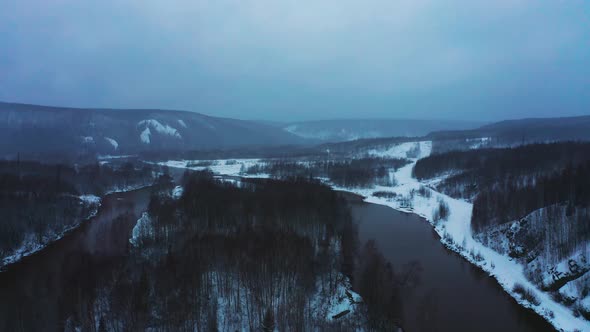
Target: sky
x=293, y=60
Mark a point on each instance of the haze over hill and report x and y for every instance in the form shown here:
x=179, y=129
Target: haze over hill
x=352, y=129
x=44, y=130
x=532, y=130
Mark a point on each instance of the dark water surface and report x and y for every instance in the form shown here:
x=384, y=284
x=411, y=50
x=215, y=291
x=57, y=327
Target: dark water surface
x=451, y=294
x=40, y=290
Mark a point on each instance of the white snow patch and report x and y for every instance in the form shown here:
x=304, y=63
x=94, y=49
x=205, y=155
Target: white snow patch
x=229, y=167
x=404, y=150
x=158, y=127
x=142, y=229
x=477, y=143
x=90, y=199
x=455, y=233
x=114, y=143
x=87, y=139
x=145, y=135
x=177, y=192
x=182, y=123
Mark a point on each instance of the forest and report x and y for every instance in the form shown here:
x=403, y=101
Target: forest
x=362, y=172
x=466, y=173
x=260, y=256
x=39, y=201
x=544, y=185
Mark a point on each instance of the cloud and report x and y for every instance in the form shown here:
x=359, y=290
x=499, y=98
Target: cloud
x=265, y=58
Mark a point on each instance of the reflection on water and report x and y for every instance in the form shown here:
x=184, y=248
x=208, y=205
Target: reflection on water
x=440, y=290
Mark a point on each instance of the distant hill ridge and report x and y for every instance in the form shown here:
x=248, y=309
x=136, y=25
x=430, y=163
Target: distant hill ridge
x=352, y=129
x=28, y=128
x=527, y=130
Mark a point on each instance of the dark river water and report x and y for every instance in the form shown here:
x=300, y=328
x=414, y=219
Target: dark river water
x=452, y=295
x=37, y=292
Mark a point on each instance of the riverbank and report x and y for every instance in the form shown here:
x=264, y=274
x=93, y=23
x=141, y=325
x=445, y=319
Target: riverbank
x=33, y=245
x=454, y=232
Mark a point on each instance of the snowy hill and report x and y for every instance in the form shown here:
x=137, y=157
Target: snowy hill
x=33, y=129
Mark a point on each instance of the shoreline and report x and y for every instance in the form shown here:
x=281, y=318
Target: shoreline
x=7, y=262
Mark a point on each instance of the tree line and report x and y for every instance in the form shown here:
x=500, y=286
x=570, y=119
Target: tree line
x=39, y=201
x=261, y=255
x=362, y=172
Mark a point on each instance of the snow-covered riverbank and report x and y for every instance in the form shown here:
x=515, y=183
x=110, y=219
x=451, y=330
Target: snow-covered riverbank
x=455, y=233
x=412, y=196
x=32, y=244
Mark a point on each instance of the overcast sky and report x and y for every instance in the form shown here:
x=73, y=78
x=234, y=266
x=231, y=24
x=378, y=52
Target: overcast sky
x=301, y=59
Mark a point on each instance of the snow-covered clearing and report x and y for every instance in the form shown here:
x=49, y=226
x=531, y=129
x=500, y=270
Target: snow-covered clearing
x=403, y=150
x=228, y=167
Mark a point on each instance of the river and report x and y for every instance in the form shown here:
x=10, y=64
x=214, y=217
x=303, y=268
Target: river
x=451, y=294
x=37, y=293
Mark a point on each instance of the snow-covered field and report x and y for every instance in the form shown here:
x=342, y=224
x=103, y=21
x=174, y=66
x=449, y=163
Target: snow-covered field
x=229, y=167
x=455, y=232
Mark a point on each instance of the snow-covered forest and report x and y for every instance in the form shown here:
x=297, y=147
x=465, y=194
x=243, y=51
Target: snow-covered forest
x=41, y=202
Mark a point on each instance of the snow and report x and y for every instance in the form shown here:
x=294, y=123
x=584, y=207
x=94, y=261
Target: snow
x=182, y=123
x=568, y=267
x=32, y=243
x=90, y=199
x=228, y=167
x=323, y=305
x=177, y=192
x=477, y=143
x=326, y=306
x=455, y=233
x=114, y=143
x=403, y=150
x=158, y=127
x=87, y=139
x=569, y=292
x=145, y=135
x=141, y=229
